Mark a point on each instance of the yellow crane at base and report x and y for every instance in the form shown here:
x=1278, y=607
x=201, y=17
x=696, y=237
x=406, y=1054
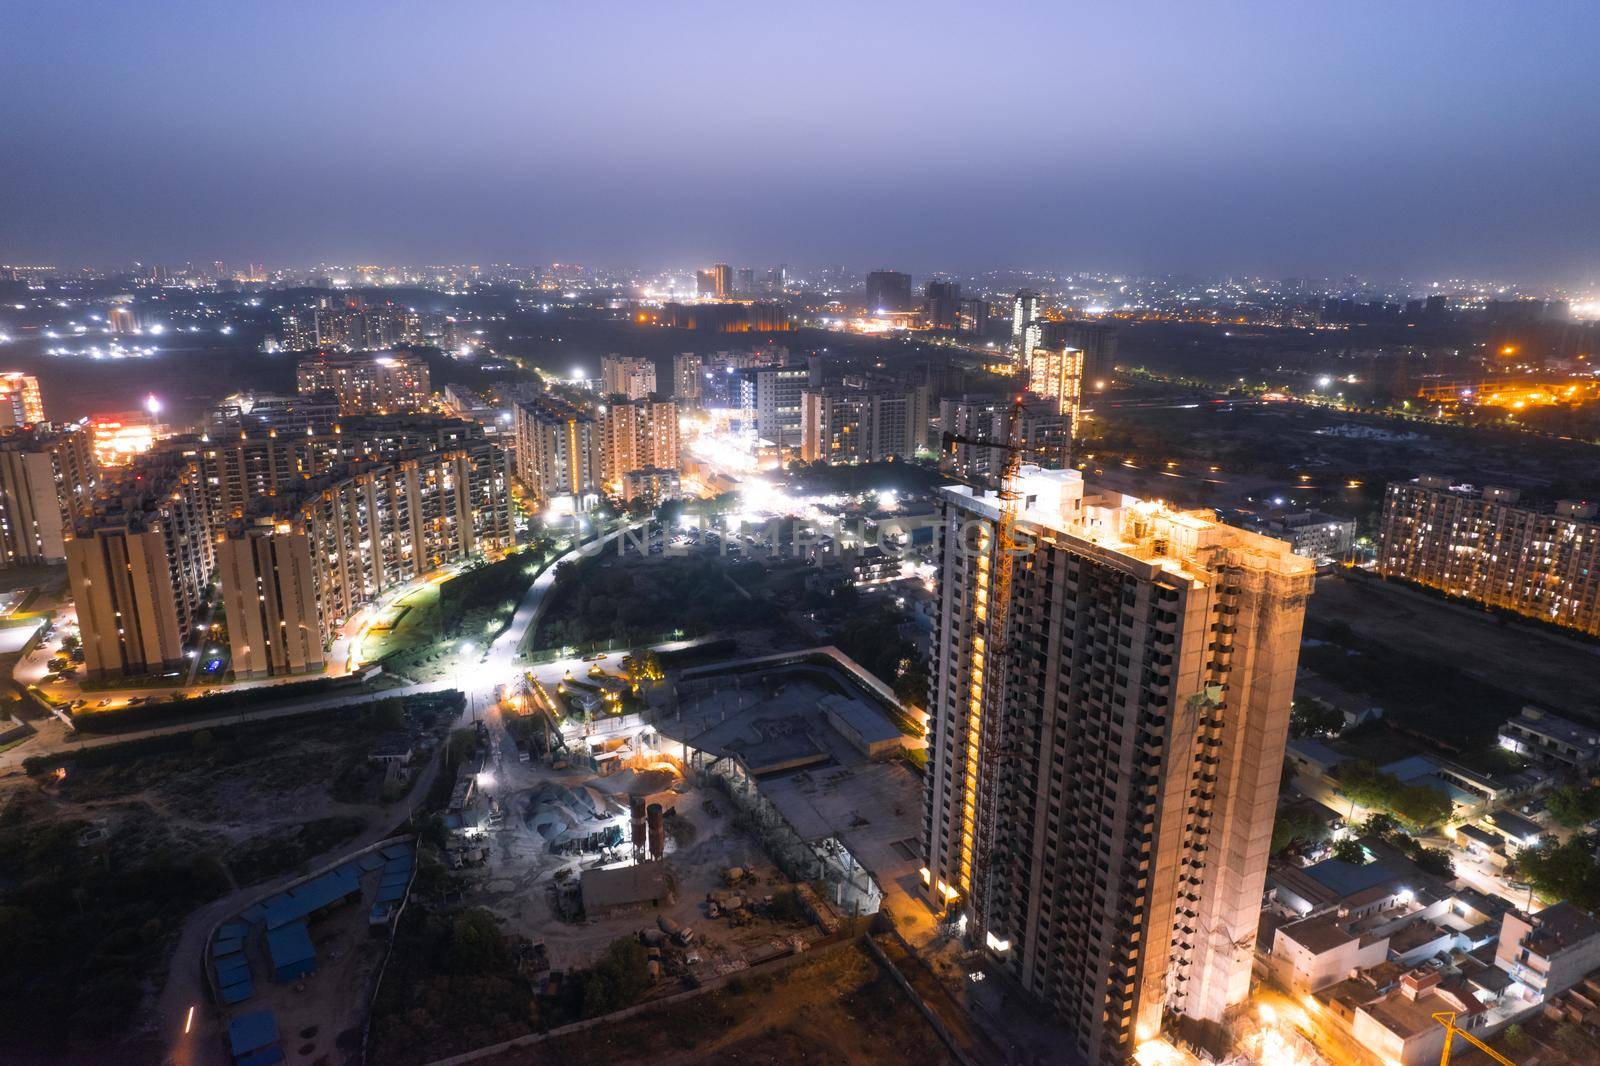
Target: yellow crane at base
x=1447, y=1018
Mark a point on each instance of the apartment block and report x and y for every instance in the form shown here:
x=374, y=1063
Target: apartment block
x=367, y=382
x=1044, y=433
x=1056, y=374
x=559, y=451
x=868, y=424
x=47, y=477
x=1487, y=546
x=1104, y=828
x=20, y=401
x=636, y=434
x=139, y=565
x=297, y=566
x=269, y=590
x=631, y=376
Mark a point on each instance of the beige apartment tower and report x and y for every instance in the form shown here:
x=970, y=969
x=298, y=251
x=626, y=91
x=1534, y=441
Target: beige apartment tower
x=1133, y=774
x=269, y=590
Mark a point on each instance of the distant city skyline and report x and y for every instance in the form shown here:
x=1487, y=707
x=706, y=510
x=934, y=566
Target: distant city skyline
x=1432, y=140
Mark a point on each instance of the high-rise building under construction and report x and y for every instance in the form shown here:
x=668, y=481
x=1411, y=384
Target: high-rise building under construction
x=1099, y=812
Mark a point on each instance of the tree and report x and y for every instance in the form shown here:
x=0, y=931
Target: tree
x=617, y=980
x=475, y=945
x=1308, y=718
x=1296, y=823
x=1350, y=850
x=1574, y=807
x=1564, y=871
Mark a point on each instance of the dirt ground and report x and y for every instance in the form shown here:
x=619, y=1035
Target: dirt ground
x=518, y=881
x=839, y=1007
x=1547, y=669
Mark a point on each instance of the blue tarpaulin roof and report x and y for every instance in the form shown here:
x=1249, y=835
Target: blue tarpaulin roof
x=229, y=969
x=395, y=851
x=252, y=1032
x=233, y=930
x=221, y=947
x=254, y=913
x=310, y=898
x=290, y=944
x=238, y=992
x=370, y=861
x=349, y=869
x=268, y=1056
x=397, y=864
x=391, y=893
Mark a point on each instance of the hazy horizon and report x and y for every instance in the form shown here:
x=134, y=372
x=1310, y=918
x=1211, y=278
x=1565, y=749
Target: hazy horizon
x=1430, y=141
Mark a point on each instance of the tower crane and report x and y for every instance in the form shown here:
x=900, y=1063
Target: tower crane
x=989, y=659
x=1447, y=1019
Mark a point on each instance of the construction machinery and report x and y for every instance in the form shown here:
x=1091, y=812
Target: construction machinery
x=985, y=713
x=1447, y=1019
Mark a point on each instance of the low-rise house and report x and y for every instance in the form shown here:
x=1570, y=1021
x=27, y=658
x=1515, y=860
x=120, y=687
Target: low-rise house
x=1399, y=1027
x=1538, y=734
x=1548, y=952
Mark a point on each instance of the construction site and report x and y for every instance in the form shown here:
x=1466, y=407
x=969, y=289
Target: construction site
x=703, y=821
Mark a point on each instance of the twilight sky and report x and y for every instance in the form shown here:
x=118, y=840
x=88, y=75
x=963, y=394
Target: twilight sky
x=1428, y=138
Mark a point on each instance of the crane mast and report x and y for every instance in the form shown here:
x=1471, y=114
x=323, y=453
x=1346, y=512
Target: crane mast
x=986, y=717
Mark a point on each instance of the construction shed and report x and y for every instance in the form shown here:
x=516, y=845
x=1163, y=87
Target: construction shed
x=315, y=897
x=289, y=948
x=625, y=887
x=864, y=726
x=253, y=1039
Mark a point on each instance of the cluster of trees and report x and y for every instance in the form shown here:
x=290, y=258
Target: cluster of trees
x=1418, y=806
x=872, y=638
x=451, y=984
x=1566, y=871
x=456, y=981
x=83, y=928
x=1297, y=823
x=1573, y=806
x=1388, y=829
x=591, y=601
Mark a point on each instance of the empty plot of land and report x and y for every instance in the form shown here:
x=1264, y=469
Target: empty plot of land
x=837, y=1007
x=1558, y=673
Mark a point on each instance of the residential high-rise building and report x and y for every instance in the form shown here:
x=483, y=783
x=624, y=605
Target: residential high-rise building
x=1096, y=340
x=20, y=401
x=841, y=424
x=269, y=591
x=1486, y=545
x=722, y=281
x=686, y=370
x=888, y=290
x=770, y=398
x=1104, y=827
x=1026, y=328
x=974, y=316
x=367, y=382
x=301, y=563
x=632, y=376
x=1056, y=374
x=1042, y=433
x=746, y=284
x=138, y=566
x=47, y=477
x=636, y=434
x=558, y=451
x=942, y=303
